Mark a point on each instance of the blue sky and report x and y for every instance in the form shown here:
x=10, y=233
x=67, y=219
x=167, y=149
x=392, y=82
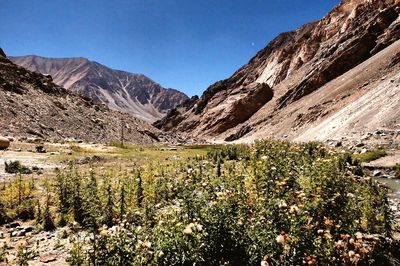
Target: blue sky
x=183, y=44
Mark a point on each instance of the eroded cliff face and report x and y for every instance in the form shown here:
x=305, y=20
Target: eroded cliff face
x=32, y=105
x=292, y=66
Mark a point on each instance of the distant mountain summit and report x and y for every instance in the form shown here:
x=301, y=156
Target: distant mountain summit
x=119, y=90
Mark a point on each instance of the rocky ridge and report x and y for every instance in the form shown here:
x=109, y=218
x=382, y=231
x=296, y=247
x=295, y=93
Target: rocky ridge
x=119, y=90
x=33, y=106
x=293, y=66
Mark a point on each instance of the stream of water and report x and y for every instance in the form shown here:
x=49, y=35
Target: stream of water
x=393, y=184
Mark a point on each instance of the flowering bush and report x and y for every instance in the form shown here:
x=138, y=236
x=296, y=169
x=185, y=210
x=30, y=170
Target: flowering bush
x=272, y=203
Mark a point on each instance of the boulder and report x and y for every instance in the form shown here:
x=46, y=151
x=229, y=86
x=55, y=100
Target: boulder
x=4, y=143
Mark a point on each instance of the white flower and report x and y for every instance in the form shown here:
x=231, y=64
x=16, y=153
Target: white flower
x=294, y=209
x=199, y=227
x=187, y=231
x=359, y=235
x=280, y=239
x=282, y=204
x=147, y=244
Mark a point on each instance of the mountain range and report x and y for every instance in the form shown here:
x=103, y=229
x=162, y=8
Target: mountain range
x=335, y=79
x=33, y=106
x=135, y=94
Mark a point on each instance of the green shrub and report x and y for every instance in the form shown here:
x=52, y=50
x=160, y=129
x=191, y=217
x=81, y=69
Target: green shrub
x=24, y=255
x=274, y=202
x=370, y=156
x=14, y=167
x=3, y=253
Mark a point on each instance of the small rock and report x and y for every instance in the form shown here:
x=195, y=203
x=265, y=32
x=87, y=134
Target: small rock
x=338, y=144
x=376, y=173
x=21, y=233
x=13, y=225
x=28, y=229
x=49, y=257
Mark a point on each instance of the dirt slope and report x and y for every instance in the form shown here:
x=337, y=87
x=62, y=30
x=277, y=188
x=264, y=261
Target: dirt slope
x=31, y=105
x=351, y=108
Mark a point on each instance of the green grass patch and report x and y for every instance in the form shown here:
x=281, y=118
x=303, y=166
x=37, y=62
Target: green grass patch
x=370, y=155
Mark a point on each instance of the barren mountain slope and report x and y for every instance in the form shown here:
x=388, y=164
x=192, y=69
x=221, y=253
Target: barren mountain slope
x=351, y=108
x=291, y=67
x=132, y=93
x=31, y=105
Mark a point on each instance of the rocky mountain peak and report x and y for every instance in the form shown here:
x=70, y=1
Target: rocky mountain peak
x=120, y=90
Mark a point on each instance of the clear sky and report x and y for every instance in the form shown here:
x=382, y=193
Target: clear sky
x=183, y=44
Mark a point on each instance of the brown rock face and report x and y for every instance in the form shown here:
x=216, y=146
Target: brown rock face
x=292, y=66
x=32, y=105
x=119, y=90
x=241, y=109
